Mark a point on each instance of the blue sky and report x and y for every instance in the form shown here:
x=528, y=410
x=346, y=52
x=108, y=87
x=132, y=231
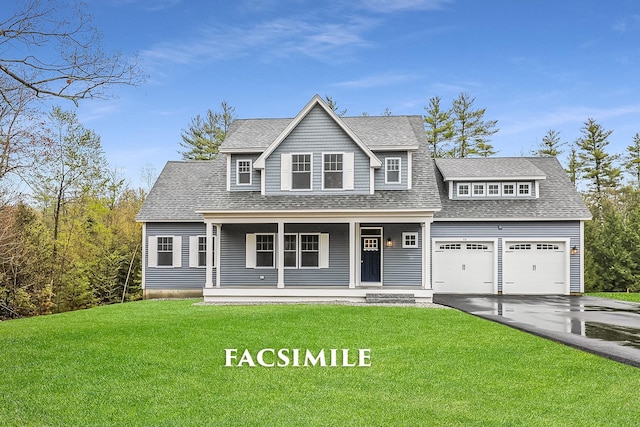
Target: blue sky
x=534, y=65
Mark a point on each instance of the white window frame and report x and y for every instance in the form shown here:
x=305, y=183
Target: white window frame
x=310, y=172
x=318, y=251
x=489, y=184
x=387, y=161
x=176, y=250
x=515, y=189
x=250, y=172
x=273, y=251
x=412, y=242
x=295, y=251
x=194, y=251
x=158, y=250
x=527, y=185
x=462, y=184
x=342, y=171
x=479, y=185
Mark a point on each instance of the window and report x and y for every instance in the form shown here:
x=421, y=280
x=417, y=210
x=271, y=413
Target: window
x=508, y=189
x=202, y=251
x=547, y=247
x=477, y=247
x=243, y=171
x=520, y=247
x=524, y=189
x=463, y=190
x=392, y=170
x=451, y=247
x=291, y=250
x=301, y=171
x=198, y=251
x=165, y=251
x=493, y=189
x=332, y=171
x=309, y=250
x=409, y=240
x=478, y=189
x=264, y=250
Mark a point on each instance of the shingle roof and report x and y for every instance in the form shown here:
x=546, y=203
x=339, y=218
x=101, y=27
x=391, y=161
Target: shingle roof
x=491, y=167
x=375, y=132
x=186, y=187
x=558, y=197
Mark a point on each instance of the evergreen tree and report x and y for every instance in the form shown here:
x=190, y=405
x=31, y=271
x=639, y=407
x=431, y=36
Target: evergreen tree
x=632, y=159
x=550, y=145
x=596, y=164
x=574, y=165
x=438, y=127
x=333, y=104
x=470, y=128
x=204, y=135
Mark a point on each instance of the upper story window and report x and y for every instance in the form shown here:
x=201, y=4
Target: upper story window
x=392, y=170
x=524, y=189
x=301, y=171
x=464, y=189
x=509, y=189
x=243, y=172
x=332, y=171
x=478, y=189
x=493, y=189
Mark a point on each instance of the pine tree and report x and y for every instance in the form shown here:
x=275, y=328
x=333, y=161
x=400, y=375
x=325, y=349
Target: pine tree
x=574, y=165
x=470, y=129
x=438, y=127
x=550, y=145
x=204, y=135
x=632, y=159
x=596, y=164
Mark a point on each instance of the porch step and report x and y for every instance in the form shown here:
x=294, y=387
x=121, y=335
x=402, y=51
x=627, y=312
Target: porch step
x=390, y=298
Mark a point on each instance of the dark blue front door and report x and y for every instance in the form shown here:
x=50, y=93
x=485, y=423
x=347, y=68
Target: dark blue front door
x=370, y=255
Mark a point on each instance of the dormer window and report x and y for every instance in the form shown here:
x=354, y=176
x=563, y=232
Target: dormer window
x=524, y=189
x=493, y=190
x=392, y=170
x=464, y=189
x=478, y=189
x=243, y=172
x=509, y=189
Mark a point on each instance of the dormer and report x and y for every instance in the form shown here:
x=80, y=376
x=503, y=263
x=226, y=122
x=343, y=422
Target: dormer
x=490, y=178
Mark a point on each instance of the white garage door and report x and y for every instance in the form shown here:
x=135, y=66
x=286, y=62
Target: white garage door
x=534, y=268
x=463, y=267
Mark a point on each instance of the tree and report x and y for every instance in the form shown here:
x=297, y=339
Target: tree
x=469, y=128
x=574, y=165
x=438, y=126
x=204, y=136
x=632, y=159
x=65, y=56
x=333, y=104
x=596, y=164
x=550, y=145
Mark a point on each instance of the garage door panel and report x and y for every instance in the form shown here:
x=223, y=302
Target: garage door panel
x=534, y=268
x=463, y=267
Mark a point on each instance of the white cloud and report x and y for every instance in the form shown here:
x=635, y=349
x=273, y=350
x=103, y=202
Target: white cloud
x=389, y=6
x=378, y=80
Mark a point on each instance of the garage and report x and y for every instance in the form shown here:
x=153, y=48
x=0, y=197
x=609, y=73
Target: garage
x=535, y=267
x=464, y=267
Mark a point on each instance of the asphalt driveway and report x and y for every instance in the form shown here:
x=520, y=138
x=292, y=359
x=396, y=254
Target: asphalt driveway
x=602, y=326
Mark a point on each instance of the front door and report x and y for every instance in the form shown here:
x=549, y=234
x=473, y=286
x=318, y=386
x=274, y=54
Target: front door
x=370, y=257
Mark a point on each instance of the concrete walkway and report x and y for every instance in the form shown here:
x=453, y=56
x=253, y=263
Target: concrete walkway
x=602, y=326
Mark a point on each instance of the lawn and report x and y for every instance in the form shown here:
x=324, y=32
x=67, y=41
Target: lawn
x=162, y=363
x=624, y=296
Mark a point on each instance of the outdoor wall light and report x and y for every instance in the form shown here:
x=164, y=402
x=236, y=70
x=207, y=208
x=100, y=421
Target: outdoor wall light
x=574, y=250
x=389, y=242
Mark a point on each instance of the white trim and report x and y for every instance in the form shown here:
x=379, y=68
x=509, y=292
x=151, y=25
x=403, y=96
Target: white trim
x=194, y=245
x=372, y=181
x=177, y=251
x=353, y=247
x=316, y=100
x=528, y=184
x=313, y=267
x=459, y=184
x=406, y=234
x=290, y=175
x=394, y=147
x=263, y=182
x=217, y=253
x=238, y=172
x=536, y=183
x=426, y=260
x=386, y=170
x=495, y=178
x=275, y=262
x=581, y=249
x=252, y=150
x=323, y=249
x=499, y=189
x=228, y=172
x=304, y=294
x=284, y=251
x=515, y=189
x=348, y=171
x=329, y=153
x=285, y=171
x=278, y=254
x=409, y=170
x=250, y=250
x=144, y=255
x=482, y=185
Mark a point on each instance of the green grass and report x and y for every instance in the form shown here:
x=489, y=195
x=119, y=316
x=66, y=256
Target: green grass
x=624, y=296
x=161, y=363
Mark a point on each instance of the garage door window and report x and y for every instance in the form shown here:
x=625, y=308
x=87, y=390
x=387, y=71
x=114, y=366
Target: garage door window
x=520, y=247
x=451, y=246
x=477, y=247
x=547, y=247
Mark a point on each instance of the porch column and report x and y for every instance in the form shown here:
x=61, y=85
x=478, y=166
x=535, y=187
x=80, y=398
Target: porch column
x=208, y=283
x=218, y=244
x=353, y=247
x=426, y=257
x=280, y=256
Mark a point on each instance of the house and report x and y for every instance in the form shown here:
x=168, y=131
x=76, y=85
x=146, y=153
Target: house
x=322, y=207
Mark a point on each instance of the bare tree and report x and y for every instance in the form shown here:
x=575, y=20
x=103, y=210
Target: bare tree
x=51, y=48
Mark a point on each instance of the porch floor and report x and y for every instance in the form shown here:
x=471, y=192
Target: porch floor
x=308, y=294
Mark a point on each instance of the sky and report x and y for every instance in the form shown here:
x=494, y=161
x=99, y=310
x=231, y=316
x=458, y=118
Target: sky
x=533, y=65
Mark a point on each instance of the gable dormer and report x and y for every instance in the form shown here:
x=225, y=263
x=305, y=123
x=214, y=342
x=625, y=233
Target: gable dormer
x=490, y=178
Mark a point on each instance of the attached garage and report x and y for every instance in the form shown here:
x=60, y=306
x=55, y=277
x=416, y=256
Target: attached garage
x=535, y=267
x=462, y=266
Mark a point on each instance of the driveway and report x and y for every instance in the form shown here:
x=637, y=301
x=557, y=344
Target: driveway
x=602, y=326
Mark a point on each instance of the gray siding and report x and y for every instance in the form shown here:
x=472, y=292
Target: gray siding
x=255, y=174
x=516, y=229
x=338, y=272
x=233, y=257
x=317, y=133
x=379, y=174
x=401, y=266
x=183, y=277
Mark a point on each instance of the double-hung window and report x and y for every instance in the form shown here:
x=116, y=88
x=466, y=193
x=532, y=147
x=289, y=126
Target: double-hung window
x=392, y=170
x=301, y=171
x=291, y=250
x=243, y=170
x=332, y=171
x=309, y=250
x=265, y=250
x=165, y=252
